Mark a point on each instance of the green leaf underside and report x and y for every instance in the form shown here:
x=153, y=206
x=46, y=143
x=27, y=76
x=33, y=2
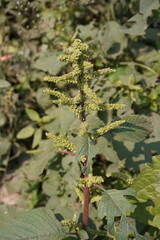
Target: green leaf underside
x=38, y=224
x=86, y=147
x=114, y=204
x=37, y=137
x=32, y=114
x=7, y=213
x=25, y=132
x=4, y=147
x=147, y=185
x=135, y=129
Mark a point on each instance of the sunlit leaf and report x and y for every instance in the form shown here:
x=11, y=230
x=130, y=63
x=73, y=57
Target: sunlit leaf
x=111, y=39
x=146, y=6
x=114, y=204
x=138, y=25
x=147, y=186
x=48, y=62
x=135, y=129
x=4, y=84
x=4, y=146
x=37, y=137
x=25, y=132
x=32, y=114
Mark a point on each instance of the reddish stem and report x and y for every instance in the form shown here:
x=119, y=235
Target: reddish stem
x=86, y=200
x=100, y=187
x=86, y=207
x=86, y=188
x=63, y=151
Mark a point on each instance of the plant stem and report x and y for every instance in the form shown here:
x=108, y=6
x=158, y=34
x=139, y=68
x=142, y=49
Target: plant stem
x=67, y=152
x=100, y=187
x=86, y=188
x=141, y=65
x=86, y=206
x=83, y=116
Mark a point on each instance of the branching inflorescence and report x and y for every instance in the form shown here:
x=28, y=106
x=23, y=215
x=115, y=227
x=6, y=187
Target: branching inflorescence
x=78, y=55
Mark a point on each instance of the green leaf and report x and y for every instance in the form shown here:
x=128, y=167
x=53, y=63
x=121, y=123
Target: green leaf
x=139, y=25
x=37, y=137
x=128, y=225
x=43, y=99
x=4, y=147
x=135, y=129
x=156, y=129
x=63, y=119
x=25, y=132
x=87, y=31
x=135, y=154
x=114, y=204
x=52, y=183
x=86, y=146
x=35, y=167
x=32, y=114
x=82, y=234
x=104, y=147
x=111, y=39
x=7, y=213
x=38, y=224
x=4, y=84
x=2, y=119
x=140, y=19
x=147, y=186
x=46, y=119
x=146, y=6
x=140, y=237
x=48, y=62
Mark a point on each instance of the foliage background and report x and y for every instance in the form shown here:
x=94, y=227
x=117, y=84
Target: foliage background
x=34, y=33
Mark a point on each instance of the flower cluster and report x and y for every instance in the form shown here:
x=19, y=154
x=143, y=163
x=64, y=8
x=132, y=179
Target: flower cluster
x=68, y=77
x=89, y=181
x=64, y=142
x=102, y=107
x=105, y=71
x=63, y=99
x=82, y=73
x=79, y=193
x=92, y=95
x=75, y=52
x=71, y=223
x=83, y=128
x=109, y=127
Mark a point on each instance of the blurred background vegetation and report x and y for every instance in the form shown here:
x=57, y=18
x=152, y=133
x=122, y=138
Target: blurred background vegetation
x=122, y=34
